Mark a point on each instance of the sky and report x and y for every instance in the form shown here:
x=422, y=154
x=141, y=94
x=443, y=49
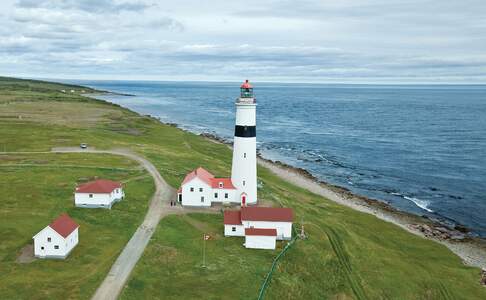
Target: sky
x=340, y=41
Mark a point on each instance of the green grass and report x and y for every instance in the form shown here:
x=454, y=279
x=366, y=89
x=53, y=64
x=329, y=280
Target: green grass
x=37, y=189
x=349, y=255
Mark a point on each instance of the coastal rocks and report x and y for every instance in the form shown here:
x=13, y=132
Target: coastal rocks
x=439, y=232
x=215, y=138
x=483, y=277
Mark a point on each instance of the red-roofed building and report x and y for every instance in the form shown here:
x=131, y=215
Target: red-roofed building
x=201, y=188
x=259, y=238
x=99, y=193
x=57, y=239
x=237, y=223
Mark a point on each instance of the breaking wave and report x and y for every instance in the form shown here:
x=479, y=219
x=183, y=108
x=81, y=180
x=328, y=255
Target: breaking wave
x=420, y=203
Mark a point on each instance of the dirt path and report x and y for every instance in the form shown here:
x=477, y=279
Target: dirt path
x=471, y=253
x=114, y=282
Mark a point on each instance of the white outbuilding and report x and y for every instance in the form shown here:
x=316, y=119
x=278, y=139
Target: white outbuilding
x=259, y=225
x=256, y=238
x=57, y=239
x=201, y=188
x=99, y=193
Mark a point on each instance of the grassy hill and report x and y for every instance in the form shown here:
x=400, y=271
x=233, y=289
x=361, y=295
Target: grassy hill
x=349, y=255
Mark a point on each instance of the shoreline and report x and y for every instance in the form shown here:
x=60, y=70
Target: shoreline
x=472, y=250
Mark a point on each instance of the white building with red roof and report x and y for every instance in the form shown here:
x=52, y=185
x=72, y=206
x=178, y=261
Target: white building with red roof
x=270, y=219
x=57, y=239
x=99, y=193
x=201, y=188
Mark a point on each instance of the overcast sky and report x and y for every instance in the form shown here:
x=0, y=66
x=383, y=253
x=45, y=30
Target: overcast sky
x=363, y=41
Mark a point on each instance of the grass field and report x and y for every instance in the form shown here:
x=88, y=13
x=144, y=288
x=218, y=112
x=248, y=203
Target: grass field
x=37, y=188
x=349, y=255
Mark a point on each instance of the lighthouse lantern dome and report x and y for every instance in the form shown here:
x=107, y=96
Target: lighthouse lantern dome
x=246, y=90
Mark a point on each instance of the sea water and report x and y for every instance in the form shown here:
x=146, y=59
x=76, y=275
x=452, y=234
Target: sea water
x=420, y=148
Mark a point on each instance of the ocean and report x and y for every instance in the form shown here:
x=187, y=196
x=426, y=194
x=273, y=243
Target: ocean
x=420, y=148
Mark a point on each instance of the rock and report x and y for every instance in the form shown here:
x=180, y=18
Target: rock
x=442, y=229
x=483, y=276
x=461, y=228
x=458, y=237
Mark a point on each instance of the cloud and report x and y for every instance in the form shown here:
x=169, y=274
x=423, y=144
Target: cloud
x=92, y=6
x=317, y=41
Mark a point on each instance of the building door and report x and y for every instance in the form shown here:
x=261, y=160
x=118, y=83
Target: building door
x=180, y=197
x=243, y=199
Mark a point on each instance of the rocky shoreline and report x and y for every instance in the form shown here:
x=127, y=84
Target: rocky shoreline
x=472, y=250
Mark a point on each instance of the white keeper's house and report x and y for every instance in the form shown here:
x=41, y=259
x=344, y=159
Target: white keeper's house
x=201, y=188
x=261, y=226
x=99, y=193
x=57, y=239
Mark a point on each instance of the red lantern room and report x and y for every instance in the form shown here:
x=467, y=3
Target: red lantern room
x=246, y=90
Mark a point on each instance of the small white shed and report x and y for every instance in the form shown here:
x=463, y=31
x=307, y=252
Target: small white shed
x=57, y=239
x=99, y=193
x=259, y=238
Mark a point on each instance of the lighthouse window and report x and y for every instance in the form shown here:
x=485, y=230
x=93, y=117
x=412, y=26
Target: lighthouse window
x=220, y=184
x=226, y=195
x=192, y=189
x=200, y=189
x=215, y=195
x=202, y=199
x=56, y=247
x=243, y=182
x=244, y=155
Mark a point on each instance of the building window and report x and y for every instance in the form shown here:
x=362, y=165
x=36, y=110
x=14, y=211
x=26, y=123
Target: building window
x=226, y=195
x=56, y=247
x=91, y=195
x=243, y=183
x=49, y=239
x=192, y=189
x=244, y=155
x=220, y=184
x=215, y=195
x=202, y=198
x=200, y=189
x=42, y=248
x=233, y=229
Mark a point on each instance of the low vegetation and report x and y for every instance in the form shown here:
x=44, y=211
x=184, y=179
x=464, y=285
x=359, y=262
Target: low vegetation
x=348, y=255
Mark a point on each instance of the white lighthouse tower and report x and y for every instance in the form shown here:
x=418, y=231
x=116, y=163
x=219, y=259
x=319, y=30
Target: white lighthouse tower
x=244, y=169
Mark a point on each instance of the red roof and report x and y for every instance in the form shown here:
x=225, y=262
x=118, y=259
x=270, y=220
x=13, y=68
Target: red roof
x=260, y=231
x=227, y=184
x=232, y=217
x=201, y=173
x=101, y=186
x=267, y=214
x=64, y=225
x=246, y=85
x=208, y=178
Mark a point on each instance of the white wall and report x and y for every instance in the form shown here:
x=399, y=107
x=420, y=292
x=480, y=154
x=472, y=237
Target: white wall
x=284, y=229
x=228, y=230
x=98, y=200
x=260, y=242
x=221, y=193
x=194, y=198
x=49, y=251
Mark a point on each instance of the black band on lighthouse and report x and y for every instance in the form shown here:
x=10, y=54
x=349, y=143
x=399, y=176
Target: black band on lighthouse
x=245, y=131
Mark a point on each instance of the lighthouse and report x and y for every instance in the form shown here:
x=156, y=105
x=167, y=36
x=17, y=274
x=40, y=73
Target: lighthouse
x=244, y=168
